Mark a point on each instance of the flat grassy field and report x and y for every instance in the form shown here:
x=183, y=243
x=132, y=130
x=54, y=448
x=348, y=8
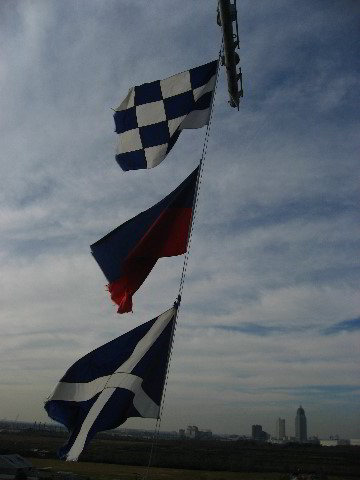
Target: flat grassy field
x=116, y=458
x=105, y=471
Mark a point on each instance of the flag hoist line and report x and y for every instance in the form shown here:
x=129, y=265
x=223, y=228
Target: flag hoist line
x=183, y=274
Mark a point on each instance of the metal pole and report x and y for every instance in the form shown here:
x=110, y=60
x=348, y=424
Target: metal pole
x=229, y=51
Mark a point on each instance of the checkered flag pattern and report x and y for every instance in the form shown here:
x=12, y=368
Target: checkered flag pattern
x=149, y=120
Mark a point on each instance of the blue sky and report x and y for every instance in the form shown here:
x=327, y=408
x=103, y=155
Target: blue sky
x=270, y=310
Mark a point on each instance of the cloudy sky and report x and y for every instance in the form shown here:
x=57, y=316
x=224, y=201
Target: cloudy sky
x=270, y=311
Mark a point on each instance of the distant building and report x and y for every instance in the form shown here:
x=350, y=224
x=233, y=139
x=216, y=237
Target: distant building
x=300, y=425
x=193, y=432
x=314, y=440
x=328, y=443
x=205, y=434
x=355, y=442
x=334, y=442
x=257, y=433
x=181, y=433
x=280, y=429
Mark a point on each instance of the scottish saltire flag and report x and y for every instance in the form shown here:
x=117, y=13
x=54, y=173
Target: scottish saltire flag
x=149, y=120
x=123, y=378
x=128, y=254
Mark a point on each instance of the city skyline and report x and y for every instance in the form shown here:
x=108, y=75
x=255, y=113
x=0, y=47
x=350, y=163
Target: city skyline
x=256, y=430
x=278, y=433
x=269, y=316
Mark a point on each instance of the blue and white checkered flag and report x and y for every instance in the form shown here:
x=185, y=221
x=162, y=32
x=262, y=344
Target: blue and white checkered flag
x=148, y=122
x=123, y=378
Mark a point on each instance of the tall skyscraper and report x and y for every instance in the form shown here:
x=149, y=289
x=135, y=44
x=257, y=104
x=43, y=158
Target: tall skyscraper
x=300, y=425
x=280, y=428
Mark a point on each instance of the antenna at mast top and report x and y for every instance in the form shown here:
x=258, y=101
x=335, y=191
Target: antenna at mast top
x=226, y=16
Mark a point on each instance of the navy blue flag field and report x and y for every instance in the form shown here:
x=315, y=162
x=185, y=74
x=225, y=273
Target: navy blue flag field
x=121, y=379
x=150, y=118
x=129, y=253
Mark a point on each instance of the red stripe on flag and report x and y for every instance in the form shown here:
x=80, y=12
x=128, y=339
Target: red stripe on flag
x=166, y=237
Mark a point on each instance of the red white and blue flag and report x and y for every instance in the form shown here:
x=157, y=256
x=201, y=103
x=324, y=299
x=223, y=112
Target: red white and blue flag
x=121, y=379
x=128, y=254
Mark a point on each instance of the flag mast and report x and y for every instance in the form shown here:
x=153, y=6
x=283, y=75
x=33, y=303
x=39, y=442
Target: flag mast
x=226, y=17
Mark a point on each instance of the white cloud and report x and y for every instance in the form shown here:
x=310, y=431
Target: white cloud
x=275, y=240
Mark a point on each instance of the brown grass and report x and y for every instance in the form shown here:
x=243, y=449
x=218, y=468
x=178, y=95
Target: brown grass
x=103, y=471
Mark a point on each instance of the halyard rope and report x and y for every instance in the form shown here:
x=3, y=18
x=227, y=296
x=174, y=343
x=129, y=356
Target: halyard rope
x=183, y=274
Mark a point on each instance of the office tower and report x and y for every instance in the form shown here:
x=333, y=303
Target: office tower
x=258, y=433
x=300, y=425
x=280, y=428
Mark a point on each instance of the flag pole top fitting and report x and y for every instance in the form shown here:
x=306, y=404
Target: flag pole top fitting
x=226, y=17
x=177, y=302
